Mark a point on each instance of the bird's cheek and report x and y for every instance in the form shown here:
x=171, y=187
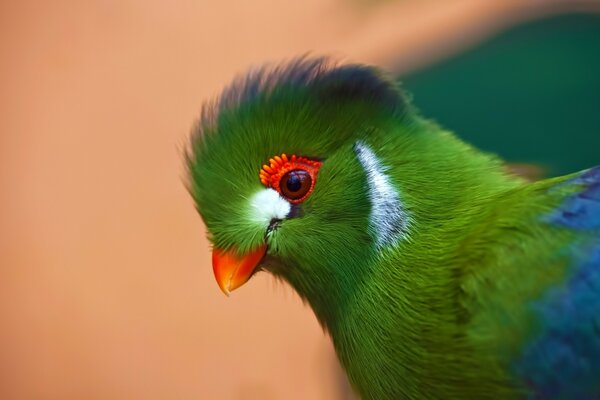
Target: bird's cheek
x=232, y=270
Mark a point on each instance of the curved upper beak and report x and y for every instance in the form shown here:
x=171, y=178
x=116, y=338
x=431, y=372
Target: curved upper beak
x=231, y=270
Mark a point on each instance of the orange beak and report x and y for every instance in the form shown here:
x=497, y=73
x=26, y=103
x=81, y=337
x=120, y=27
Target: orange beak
x=232, y=271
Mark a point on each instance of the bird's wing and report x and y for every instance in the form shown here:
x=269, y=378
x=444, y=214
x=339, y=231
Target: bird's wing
x=562, y=359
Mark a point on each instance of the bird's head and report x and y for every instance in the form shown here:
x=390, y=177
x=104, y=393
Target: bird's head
x=285, y=179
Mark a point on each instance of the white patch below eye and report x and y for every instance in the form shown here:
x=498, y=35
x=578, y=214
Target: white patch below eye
x=267, y=205
x=388, y=219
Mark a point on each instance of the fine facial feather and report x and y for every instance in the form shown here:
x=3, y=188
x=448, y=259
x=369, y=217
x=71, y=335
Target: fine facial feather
x=267, y=205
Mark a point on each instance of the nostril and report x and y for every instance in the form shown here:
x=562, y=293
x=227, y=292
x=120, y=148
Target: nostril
x=274, y=224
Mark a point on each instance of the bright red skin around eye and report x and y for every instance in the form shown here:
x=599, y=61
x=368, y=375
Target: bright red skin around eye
x=270, y=175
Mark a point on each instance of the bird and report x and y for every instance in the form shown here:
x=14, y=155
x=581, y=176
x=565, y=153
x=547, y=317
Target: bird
x=437, y=273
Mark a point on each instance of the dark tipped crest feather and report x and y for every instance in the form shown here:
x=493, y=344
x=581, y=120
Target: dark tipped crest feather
x=328, y=81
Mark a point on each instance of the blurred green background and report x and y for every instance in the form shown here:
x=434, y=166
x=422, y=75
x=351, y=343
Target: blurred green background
x=530, y=94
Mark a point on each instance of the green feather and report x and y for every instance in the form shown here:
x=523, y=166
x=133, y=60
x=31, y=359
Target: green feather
x=440, y=314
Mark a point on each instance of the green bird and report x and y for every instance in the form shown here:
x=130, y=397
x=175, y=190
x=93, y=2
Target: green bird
x=436, y=272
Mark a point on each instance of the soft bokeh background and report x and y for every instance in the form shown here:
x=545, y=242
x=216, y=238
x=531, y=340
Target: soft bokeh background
x=530, y=93
x=106, y=289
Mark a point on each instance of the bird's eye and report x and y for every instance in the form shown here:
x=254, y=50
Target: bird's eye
x=293, y=177
x=295, y=184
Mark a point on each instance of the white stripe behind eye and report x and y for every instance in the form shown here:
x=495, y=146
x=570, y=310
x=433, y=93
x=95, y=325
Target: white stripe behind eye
x=388, y=220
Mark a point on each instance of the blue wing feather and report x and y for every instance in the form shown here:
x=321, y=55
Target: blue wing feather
x=582, y=210
x=563, y=362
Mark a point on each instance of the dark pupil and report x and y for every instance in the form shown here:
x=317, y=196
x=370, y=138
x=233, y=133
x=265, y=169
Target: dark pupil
x=294, y=182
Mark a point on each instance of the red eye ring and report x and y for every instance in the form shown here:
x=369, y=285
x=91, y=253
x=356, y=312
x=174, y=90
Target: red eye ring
x=271, y=175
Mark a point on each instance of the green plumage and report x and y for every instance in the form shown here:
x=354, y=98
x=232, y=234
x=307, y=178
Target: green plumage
x=448, y=310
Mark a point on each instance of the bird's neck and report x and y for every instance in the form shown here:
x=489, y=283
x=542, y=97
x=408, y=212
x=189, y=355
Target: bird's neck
x=400, y=302
x=443, y=184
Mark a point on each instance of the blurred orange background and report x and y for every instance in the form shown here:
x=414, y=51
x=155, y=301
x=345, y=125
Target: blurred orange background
x=107, y=290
